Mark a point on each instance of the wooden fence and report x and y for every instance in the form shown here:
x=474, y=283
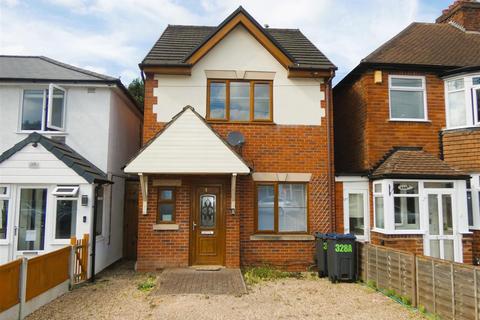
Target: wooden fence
x=447, y=289
x=47, y=271
x=10, y=284
x=80, y=261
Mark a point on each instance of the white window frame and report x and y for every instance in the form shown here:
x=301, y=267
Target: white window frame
x=54, y=228
x=6, y=196
x=378, y=195
x=476, y=115
x=470, y=103
x=47, y=93
x=399, y=195
x=422, y=89
x=72, y=193
x=356, y=188
x=475, y=190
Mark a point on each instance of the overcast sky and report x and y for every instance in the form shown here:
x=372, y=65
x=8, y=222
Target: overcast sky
x=113, y=36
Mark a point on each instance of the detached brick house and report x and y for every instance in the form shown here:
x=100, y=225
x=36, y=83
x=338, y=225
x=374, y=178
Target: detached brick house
x=237, y=163
x=407, y=140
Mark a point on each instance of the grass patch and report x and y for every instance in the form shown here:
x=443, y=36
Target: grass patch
x=256, y=275
x=147, y=284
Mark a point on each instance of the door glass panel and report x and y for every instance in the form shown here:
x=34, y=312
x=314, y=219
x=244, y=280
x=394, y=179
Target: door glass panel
x=447, y=214
x=265, y=204
x=433, y=214
x=3, y=218
x=31, y=231
x=207, y=210
x=448, y=249
x=356, y=213
x=435, y=248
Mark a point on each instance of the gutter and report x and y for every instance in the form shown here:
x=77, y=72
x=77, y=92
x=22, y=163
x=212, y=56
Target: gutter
x=330, y=163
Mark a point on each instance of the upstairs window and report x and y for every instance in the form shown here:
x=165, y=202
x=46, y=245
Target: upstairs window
x=239, y=101
x=43, y=109
x=463, y=101
x=407, y=98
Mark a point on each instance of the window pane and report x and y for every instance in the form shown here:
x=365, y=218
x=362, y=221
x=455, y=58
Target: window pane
x=405, y=187
x=166, y=212
x=477, y=95
x=32, y=110
x=31, y=228
x=455, y=85
x=3, y=190
x=408, y=213
x=99, y=221
x=448, y=250
x=407, y=104
x=261, y=104
x=407, y=82
x=470, y=208
x=292, y=208
x=356, y=213
x=208, y=210
x=265, y=204
x=457, y=110
x=434, y=224
x=377, y=188
x=379, y=216
x=218, y=94
x=476, y=81
x=447, y=214
x=66, y=219
x=57, y=108
x=166, y=194
x=438, y=185
x=3, y=218
x=239, y=101
x=435, y=248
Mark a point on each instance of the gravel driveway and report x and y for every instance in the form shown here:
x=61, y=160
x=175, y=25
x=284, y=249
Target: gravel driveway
x=115, y=296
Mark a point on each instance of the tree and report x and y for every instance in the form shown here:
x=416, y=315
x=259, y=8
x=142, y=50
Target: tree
x=137, y=90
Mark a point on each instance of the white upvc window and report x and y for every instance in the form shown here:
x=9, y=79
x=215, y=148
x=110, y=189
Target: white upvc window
x=408, y=98
x=462, y=101
x=378, y=205
x=406, y=204
x=473, y=201
x=43, y=109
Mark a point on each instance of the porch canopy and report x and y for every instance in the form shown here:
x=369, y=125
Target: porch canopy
x=414, y=163
x=186, y=145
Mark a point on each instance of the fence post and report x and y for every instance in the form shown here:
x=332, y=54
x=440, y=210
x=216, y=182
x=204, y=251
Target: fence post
x=414, y=281
x=475, y=283
x=452, y=269
x=23, y=287
x=71, y=265
x=433, y=288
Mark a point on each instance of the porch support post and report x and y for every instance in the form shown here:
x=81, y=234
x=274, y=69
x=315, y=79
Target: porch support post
x=233, y=191
x=144, y=187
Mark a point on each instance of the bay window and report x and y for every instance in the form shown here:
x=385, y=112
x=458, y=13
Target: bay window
x=473, y=201
x=379, y=206
x=281, y=207
x=43, y=109
x=407, y=98
x=462, y=101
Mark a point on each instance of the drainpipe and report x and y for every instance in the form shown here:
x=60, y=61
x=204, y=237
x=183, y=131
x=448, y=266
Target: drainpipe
x=331, y=172
x=94, y=232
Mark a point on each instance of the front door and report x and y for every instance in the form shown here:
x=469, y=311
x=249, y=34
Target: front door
x=30, y=229
x=440, y=240
x=208, y=226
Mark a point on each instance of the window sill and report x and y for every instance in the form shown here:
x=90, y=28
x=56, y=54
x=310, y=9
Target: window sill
x=410, y=120
x=266, y=122
x=165, y=226
x=282, y=237
x=471, y=127
x=52, y=133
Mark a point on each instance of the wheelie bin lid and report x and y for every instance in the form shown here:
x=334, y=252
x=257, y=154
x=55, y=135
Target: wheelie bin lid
x=319, y=235
x=347, y=236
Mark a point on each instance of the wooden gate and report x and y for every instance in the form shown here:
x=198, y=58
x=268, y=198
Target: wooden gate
x=130, y=220
x=80, y=261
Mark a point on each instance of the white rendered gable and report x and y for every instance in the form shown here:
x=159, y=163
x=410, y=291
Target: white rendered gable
x=187, y=145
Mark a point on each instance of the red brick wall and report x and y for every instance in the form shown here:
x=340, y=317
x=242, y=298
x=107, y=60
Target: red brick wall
x=476, y=246
x=410, y=243
x=268, y=148
x=465, y=12
x=339, y=227
x=467, y=248
x=461, y=149
x=381, y=134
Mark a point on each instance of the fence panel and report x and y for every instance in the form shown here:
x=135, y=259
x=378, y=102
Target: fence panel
x=10, y=284
x=464, y=290
x=80, y=261
x=47, y=271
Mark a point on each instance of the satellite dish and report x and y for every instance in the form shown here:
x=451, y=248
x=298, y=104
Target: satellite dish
x=235, y=139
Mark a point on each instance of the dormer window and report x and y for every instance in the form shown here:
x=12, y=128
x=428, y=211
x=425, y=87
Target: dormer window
x=43, y=109
x=239, y=100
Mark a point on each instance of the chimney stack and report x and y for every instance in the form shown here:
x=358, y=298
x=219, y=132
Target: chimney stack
x=465, y=13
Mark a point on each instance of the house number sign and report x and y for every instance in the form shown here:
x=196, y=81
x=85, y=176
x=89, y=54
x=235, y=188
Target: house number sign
x=207, y=231
x=405, y=187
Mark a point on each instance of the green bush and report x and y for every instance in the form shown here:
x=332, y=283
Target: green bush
x=422, y=309
x=147, y=284
x=406, y=300
x=390, y=293
x=372, y=284
x=255, y=275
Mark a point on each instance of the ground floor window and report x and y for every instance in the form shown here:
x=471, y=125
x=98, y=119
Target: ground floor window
x=406, y=206
x=99, y=218
x=166, y=205
x=281, y=207
x=473, y=201
x=66, y=217
x=379, y=207
x=3, y=218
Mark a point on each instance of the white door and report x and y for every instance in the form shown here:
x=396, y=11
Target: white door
x=356, y=220
x=29, y=230
x=441, y=240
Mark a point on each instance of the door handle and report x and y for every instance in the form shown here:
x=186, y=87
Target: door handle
x=194, y=225
x=15, y=231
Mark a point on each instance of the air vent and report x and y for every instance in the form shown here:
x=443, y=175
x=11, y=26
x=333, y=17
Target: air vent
x=91, y=90
x=60, y=139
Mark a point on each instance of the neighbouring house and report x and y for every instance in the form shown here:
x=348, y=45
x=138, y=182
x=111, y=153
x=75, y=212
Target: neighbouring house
x=407, y=140
x=65, y=134
x=237, y=163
